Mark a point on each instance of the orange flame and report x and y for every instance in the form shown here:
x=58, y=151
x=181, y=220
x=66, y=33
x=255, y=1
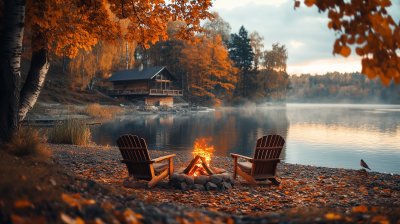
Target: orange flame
x=201, y=149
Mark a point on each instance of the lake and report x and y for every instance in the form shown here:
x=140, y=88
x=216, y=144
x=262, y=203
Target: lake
x=330, y=135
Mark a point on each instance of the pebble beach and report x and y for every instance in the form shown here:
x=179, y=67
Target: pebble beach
x=80, y=184
x=302, y=186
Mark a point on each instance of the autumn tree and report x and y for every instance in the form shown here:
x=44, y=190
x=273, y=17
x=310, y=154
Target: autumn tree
x=258, y=46
x=218, y=26
x=103, y=59
x=210, y=69
x=75, y=24
x=273, y=76
x=365, y=23
x=165, y=53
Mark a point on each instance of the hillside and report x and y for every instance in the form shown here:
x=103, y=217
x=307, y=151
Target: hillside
x=60, y=88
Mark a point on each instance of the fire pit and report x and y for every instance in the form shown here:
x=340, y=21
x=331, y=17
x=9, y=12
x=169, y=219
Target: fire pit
x=199, y=175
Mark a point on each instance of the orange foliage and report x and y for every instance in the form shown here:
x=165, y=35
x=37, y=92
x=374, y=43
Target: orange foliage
x=209, y=66
x=366, y=23
x=64, y=26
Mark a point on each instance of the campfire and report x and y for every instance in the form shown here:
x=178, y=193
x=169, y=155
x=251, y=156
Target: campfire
x=200, y=164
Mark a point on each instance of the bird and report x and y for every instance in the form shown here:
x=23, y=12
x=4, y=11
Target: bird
x=363, y=164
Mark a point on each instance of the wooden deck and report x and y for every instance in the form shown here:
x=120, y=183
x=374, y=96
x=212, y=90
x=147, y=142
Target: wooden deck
x=152, y=92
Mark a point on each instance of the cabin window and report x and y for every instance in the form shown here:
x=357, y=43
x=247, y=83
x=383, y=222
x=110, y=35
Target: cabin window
x=167, y=85
x=164, y=77
x=124, y=87
x=158, y=76
x=163, y=85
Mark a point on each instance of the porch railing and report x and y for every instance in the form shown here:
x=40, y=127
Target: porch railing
x=165, y=92
x=146, y=92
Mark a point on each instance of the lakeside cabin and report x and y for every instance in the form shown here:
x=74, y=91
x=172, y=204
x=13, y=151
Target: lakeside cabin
x=153, y=84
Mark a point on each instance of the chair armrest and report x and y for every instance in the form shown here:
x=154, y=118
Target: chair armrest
x=244, y=157
x=160, y=159
x=265, y=160
x=135, y=161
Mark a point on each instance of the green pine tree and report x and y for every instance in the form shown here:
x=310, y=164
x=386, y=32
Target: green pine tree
x=241, y=52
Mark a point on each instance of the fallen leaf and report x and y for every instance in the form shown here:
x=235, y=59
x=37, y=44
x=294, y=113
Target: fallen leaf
x=67, y=219
x=16, y=219
x=360, y=208
x=332, y=216
x=22, y=204
x=380, y=219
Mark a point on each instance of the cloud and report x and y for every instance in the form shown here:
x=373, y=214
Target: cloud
x=296, y=44
x=321, y=66
x=303, y=31
x=223, y=4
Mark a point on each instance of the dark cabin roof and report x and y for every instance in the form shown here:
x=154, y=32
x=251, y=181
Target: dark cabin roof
x=134, y=74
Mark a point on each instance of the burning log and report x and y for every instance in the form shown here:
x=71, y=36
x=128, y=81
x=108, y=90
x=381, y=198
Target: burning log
x=191, y=164
x=202, y=157
x=209, y=171
x=194, y=166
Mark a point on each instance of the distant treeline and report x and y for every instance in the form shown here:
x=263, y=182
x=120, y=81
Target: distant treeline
x=335, y=87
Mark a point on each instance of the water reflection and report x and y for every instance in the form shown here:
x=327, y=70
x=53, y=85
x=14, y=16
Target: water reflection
x=233, y=131
x=342, y=135
x=323, y=135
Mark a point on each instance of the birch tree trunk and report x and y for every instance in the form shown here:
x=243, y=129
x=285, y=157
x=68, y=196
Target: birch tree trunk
x=34, y=82
x=10, y=62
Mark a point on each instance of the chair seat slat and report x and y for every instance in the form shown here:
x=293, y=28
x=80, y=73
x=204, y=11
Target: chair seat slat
x=126, y=148
x=269, y=148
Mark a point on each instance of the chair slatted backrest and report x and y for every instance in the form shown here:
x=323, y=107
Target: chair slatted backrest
x=134, y=148
x=267, y=147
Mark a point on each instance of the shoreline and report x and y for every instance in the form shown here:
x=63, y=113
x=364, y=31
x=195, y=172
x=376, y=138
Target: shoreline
x=301, y=185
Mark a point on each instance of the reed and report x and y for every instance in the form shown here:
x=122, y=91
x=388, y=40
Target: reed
x=95, y=110
x=28, y=141
x=70, y=131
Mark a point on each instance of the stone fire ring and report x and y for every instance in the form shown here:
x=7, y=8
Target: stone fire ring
x=220, y=181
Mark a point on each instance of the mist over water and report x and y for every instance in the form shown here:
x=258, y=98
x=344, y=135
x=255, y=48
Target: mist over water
x=330, y=135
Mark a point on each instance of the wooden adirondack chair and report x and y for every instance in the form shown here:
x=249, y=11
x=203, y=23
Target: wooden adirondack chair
x=263, y=165
x=137, y=159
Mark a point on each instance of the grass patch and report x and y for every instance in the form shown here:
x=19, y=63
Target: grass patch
x=70, y=131
x=95, y=110
x=28, y=141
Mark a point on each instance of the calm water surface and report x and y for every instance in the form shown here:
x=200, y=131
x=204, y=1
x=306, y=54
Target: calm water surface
x=330, y=135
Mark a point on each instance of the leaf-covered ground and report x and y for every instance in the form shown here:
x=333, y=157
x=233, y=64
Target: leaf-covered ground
x=301, y=186
x=89, y=185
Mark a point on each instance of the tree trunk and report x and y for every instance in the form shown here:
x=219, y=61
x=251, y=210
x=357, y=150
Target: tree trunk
x=126, y=57
x=64, y=63
x=10, y=62
x=34, y=82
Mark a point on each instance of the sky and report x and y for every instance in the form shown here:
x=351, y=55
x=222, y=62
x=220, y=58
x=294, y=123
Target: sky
x=303, y=31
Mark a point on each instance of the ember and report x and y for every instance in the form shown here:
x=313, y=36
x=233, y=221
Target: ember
x=201, y=158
